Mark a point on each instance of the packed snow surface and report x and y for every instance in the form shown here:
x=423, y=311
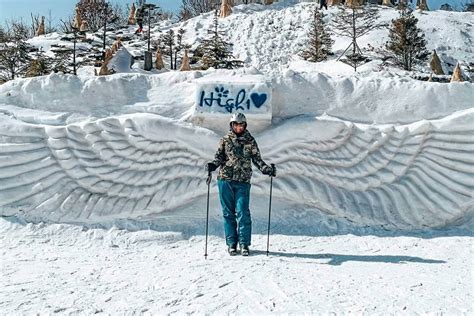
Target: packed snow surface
x=372, y=203
x=66, y=270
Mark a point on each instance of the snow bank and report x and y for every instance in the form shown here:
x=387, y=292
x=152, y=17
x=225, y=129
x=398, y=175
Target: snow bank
x=376, y=98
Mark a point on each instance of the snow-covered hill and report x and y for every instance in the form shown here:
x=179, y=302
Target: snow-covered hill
x=269, y=38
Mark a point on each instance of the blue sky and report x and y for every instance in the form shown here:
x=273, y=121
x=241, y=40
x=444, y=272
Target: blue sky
x=60, y=9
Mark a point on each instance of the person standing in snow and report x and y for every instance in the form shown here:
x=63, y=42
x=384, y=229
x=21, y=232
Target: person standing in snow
x=139, y=16
x=237, y=150
x=324, y=4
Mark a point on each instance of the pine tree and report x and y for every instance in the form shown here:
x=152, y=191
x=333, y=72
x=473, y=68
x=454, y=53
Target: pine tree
x=192, y=8
x=355, y=22
x=167, y=41
x=179, y=46
x=14, y=52
x=216, y=52
x=95, y=13
x=320, y=42
x=40, y=65
x=66, y=57
x=406, y=46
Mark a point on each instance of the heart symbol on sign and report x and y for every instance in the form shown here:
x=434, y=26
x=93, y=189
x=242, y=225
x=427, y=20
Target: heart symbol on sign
x=258, y=99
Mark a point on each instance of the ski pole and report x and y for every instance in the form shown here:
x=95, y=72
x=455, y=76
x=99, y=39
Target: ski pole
x=270, y=208
x=208, y=181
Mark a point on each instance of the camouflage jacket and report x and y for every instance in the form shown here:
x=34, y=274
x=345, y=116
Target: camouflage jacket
x=235, y=156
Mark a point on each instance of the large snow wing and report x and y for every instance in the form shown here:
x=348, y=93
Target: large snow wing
x=416, y=175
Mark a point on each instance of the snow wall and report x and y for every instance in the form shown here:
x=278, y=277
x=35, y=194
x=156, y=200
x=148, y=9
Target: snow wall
x=128, y=165
x=377, y=98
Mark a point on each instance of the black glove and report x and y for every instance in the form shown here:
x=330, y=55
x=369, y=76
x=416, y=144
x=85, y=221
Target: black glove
x=269, y=170
x=211, y=167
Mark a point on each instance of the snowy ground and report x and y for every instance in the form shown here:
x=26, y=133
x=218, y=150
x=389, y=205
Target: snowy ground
x=69, y=269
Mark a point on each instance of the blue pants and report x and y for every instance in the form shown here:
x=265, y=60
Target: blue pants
x=235, y=198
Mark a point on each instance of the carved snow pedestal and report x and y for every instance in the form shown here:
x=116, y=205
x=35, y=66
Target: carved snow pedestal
x=217, y=99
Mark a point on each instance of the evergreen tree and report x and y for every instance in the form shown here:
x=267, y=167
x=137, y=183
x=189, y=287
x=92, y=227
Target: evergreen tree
x=62, y=61
x=406, y=46
x=40, y=65
x=14, y=52
x=167, y=42
x=355, y=22
x=66, y=57
x=179, y=46
x=216, y=52
x=96, y=12
x=192, y=8
x=320, y=42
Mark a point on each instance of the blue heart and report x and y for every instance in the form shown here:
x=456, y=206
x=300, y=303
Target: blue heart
x=258, y=99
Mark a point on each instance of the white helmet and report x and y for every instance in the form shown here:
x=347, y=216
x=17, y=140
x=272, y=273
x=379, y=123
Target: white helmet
x=238, y=118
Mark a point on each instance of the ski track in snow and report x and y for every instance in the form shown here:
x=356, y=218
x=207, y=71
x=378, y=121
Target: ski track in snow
x=69, y=269
x=411, y=176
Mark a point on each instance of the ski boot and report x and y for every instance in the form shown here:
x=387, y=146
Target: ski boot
x=232, y=250
x=244, y=250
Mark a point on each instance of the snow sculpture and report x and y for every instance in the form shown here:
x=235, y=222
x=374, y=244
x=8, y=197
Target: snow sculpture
x=121, y=62
x=216, y=100
x=411, y=176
